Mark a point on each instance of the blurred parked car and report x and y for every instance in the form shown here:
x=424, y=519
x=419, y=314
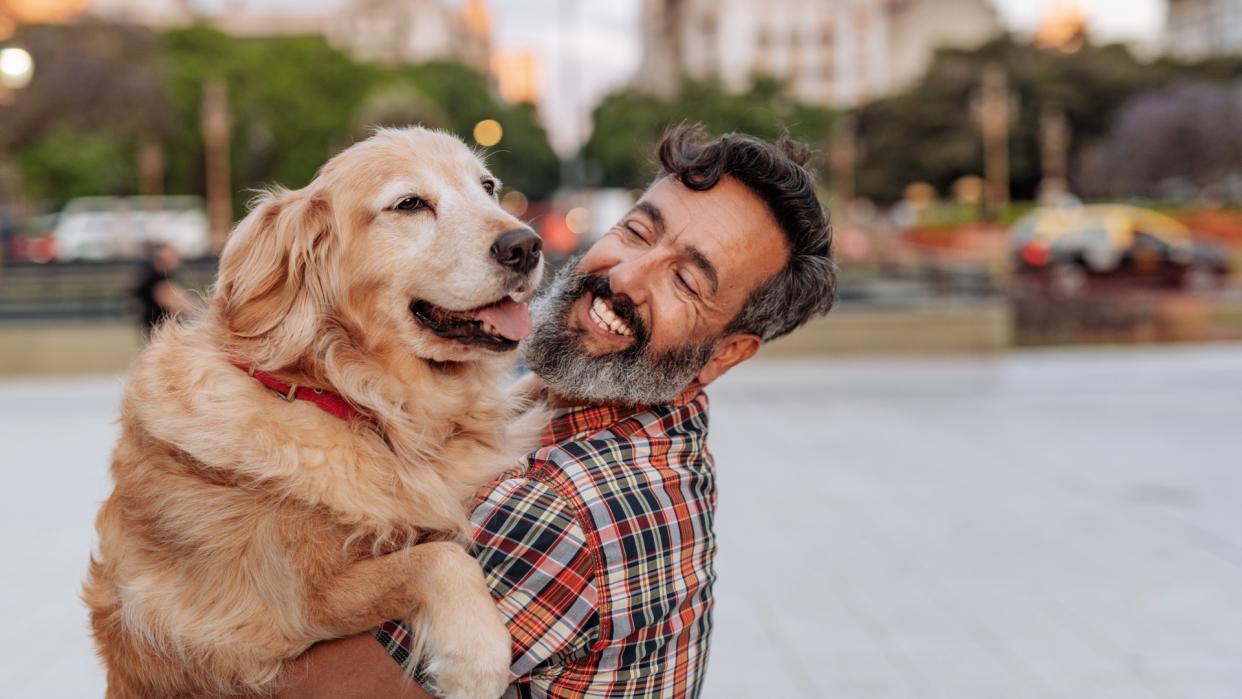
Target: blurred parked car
x=97, y=228
x=1066, y=247
x=30, y=240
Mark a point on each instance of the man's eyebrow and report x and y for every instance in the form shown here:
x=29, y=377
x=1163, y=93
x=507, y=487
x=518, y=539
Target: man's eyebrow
x=657, y=218
x=705, y=265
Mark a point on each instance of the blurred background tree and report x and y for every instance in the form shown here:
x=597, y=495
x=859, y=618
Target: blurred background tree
x=296, y=100
x=77, y=129
x=293, y=101
x=926, y=133
x=627, y=124
x=1170, y=143
x=67, y=162
x=524, y=160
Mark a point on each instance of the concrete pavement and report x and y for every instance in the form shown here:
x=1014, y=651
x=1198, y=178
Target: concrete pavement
x=1059, y=524
x=1051, y=524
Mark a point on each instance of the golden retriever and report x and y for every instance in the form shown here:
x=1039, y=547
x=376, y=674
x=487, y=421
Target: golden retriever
x=246, y=525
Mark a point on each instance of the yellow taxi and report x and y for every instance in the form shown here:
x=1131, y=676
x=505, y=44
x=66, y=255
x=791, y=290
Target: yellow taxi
x=1069, y=245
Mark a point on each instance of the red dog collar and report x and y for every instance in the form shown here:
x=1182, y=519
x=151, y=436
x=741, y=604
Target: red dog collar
x=327, y=401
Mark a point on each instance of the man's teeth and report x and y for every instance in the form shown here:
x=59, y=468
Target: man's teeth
x=607, y=320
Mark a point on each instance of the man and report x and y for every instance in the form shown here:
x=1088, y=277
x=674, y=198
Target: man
x=599, y=548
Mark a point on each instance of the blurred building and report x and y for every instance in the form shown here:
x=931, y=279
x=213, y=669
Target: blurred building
x=414, y=31
x=517, y=75
x=1202, y=28
x=1064, y=27
x=149, y=13
x=383, y=31
x=834, y=52
x=232, y=18
x=15, y=12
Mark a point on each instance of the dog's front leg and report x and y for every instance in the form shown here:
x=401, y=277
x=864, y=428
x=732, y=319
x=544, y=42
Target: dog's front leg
x=440, y=589
x=462, y=634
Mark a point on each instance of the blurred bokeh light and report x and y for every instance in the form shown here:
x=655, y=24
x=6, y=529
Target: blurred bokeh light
x=488, y=133
x=16, y=68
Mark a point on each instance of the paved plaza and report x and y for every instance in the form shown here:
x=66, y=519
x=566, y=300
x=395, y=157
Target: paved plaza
x=1044, y=524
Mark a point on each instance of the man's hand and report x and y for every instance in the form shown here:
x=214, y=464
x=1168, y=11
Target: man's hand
x=347, y=668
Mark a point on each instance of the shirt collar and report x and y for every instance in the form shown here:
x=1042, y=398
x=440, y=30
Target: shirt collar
x=568, y=424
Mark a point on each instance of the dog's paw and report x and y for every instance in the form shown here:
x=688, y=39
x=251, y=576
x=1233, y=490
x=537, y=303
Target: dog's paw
x=475, y=665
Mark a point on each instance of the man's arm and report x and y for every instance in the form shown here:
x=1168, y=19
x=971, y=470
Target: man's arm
x=534, y=554
x=347, y=668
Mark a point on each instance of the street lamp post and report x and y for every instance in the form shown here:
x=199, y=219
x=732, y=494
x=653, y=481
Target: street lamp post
x=216, y=124
x=994, y=106
x=995, y=115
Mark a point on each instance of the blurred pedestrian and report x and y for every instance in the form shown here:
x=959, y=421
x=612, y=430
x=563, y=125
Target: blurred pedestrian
x=159, y=295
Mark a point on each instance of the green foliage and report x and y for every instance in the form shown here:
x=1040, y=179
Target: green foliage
x=67, y=162
x=73, y=131
x=294, y=102
x=523, y=159
x=927, y=132
x=628, y=124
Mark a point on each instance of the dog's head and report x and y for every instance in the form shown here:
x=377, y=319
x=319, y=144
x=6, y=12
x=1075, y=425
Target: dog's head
x=399, y=242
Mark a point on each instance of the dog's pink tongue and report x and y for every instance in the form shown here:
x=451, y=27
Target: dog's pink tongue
x=510, y=318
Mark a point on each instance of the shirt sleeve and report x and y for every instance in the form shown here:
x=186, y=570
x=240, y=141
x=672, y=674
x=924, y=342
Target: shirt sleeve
x=538, y=565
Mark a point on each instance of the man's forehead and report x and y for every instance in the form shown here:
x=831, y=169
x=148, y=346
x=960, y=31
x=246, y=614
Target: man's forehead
x=727, y=221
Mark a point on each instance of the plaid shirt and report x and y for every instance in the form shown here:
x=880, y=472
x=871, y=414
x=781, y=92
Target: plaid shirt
x=599, y=552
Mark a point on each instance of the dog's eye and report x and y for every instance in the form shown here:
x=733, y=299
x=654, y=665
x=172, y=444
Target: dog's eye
x=489, y=186
x=410, y=204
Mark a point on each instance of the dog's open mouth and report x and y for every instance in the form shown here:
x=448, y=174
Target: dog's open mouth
x=497, y=326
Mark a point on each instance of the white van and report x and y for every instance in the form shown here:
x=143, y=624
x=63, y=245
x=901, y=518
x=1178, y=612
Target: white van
x=101, y=228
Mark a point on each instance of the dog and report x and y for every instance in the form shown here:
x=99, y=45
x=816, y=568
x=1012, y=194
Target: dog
x=293, y=465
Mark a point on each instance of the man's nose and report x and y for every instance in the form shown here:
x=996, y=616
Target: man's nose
x=629, y=277
x=517, y=250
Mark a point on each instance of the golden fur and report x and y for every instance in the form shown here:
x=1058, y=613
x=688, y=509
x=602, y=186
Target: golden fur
x=243, y=527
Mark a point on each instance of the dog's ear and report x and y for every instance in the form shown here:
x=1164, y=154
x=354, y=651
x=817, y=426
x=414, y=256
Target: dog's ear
x=276, y=275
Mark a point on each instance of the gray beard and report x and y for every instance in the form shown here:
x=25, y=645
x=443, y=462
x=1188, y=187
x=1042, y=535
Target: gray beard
x=632, y=376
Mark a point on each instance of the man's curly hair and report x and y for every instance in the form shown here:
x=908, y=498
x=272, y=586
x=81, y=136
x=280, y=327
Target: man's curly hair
x=806, y=286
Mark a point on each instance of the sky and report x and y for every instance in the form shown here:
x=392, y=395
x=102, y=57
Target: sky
x=588, y=48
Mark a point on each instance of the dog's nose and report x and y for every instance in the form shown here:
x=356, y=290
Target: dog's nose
x=517, y=249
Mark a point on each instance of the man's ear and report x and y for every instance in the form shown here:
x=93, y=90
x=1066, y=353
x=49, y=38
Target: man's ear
x=733, y=350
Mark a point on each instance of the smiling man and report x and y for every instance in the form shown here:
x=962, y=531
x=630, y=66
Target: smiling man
x=599, y=547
